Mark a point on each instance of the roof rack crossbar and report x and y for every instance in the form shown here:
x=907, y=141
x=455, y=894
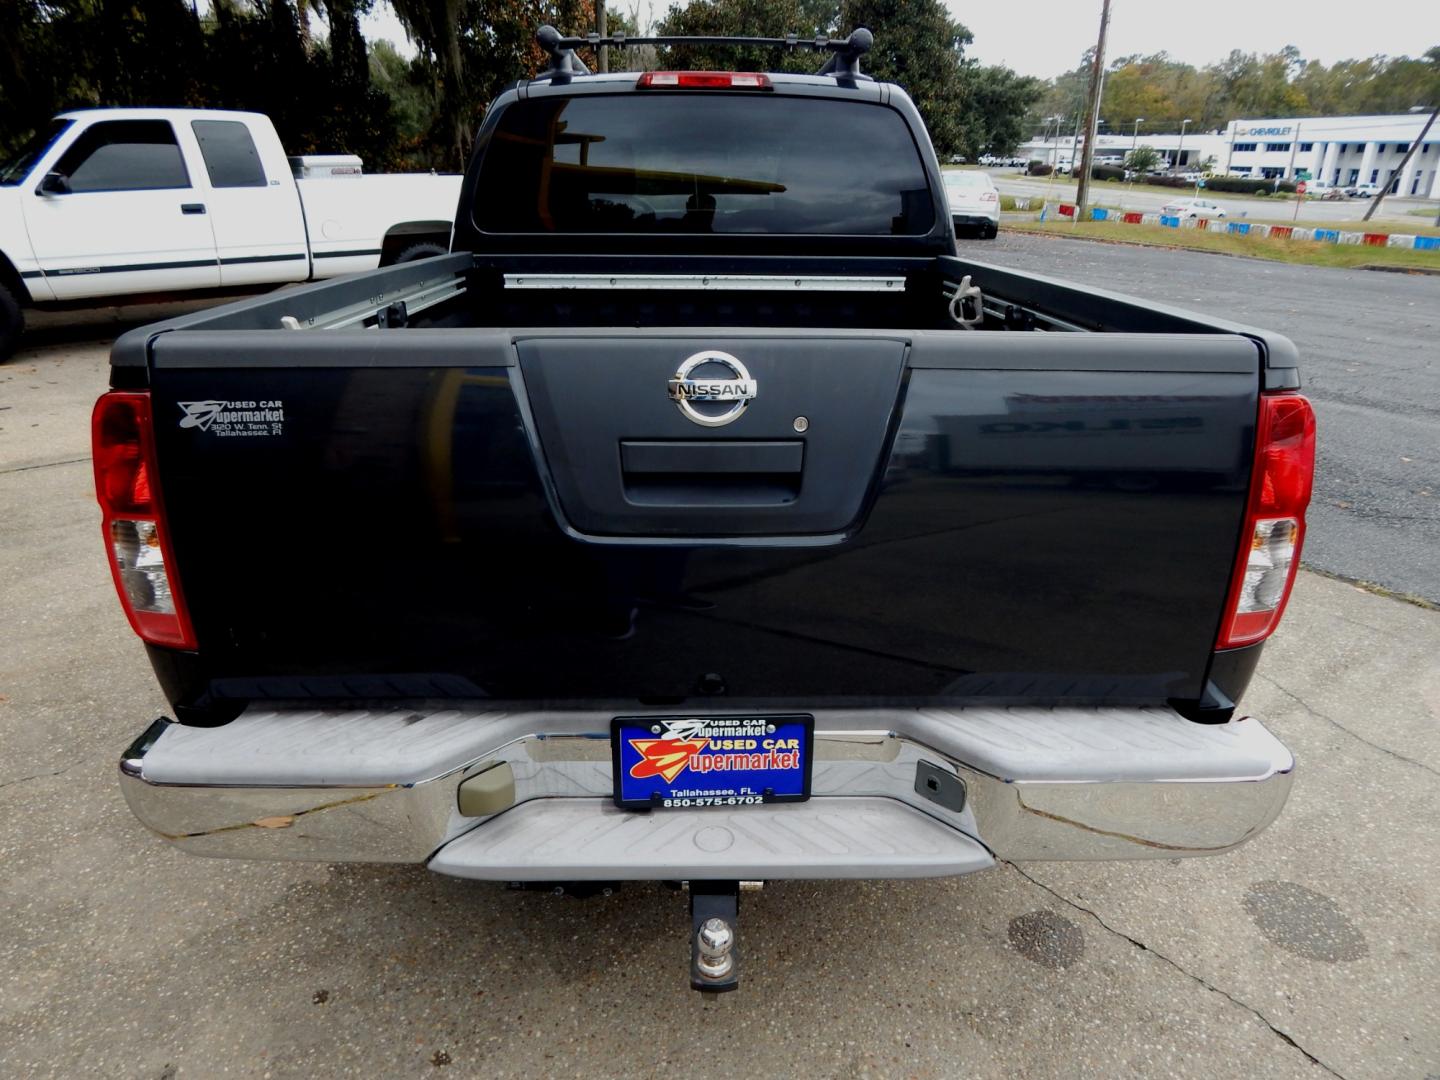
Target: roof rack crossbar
x=843, y=62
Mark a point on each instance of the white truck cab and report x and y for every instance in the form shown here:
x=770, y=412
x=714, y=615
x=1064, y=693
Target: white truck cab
x=116, y=202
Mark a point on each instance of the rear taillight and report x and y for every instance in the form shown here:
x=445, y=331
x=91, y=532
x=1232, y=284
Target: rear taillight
x=703, y=80
x=1274, y=520
x=133, y=523
x=989, y=196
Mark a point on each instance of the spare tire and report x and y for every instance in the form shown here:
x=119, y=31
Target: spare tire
x=12, y=323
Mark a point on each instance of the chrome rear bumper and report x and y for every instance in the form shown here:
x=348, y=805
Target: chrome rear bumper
x=369, y=786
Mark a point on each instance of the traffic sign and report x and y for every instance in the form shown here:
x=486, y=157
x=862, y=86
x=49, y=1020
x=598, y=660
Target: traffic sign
x=1300, y=188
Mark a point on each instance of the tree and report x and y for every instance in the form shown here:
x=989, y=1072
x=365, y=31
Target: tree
x=999, y=101
x=749, y=18
x=920, y=47
x=413, y=104
x=347, y=44
x=967, y=108
x=1142, y=159
x=472, y=49
x=328, y=91
x=243, y=54
x=434, y=25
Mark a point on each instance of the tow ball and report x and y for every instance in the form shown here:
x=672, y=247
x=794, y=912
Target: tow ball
x=714, y=922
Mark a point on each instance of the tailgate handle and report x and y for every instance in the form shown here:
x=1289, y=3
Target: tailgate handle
x=711, y=474
x=698, y=457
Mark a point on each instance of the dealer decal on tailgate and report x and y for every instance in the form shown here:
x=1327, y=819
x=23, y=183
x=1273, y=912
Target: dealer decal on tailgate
x=711, y=760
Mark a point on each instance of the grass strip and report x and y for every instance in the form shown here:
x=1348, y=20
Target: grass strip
x=1302, y=252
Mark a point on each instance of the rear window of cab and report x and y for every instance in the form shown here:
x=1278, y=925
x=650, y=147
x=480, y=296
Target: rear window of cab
x=687, y=163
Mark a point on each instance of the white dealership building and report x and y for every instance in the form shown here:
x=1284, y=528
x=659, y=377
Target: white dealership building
x=1336, y=150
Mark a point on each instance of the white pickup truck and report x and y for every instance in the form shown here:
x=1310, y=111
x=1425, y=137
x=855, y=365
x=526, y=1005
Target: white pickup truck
x=127, y=202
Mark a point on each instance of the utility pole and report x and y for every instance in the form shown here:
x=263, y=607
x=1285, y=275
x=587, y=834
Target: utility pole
x=602, y=52
x=1092, y=117
x=1054, y=147
x=1129, y=163
x=1414, y=146
x=1180, y=150
x=1294, y=175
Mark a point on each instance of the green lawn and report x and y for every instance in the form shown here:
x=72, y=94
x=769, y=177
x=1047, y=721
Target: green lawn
x=1117, y=189
x=1277, y=209
x=1408, y=228
x=1291, y=251
x=1395, y=225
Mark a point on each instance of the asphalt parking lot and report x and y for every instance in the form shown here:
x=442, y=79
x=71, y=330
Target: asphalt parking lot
x=1310, y=952
x=1370, y=362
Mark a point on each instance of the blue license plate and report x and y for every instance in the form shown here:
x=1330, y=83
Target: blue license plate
x=700, y=761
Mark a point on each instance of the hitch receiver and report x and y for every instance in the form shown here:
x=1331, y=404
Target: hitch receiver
x=714, y=925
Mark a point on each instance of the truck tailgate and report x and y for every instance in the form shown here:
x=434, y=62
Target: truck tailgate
x=897, y=516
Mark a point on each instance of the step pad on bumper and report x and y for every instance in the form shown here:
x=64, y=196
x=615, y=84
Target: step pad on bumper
x=592, y=840
x=1041, y=783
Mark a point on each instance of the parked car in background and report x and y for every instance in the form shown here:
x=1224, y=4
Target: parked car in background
x=124, y=202
x=1364, y=191
x=1193, y=208
x=974, y=203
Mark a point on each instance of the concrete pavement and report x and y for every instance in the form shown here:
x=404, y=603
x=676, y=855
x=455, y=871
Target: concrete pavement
x=1310, y=952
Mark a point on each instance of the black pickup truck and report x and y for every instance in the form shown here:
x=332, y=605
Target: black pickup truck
x=703, y=517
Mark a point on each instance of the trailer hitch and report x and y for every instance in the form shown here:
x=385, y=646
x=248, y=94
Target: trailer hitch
x=714, y=922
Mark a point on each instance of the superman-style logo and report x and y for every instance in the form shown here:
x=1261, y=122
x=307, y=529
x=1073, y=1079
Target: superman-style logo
x=664, y=757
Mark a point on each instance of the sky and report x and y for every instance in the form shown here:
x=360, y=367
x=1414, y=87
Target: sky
x=1046, y=37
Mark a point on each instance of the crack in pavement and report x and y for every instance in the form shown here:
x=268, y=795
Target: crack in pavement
x=43, y=465
x=1336, y=723
x=42, y=775
x=1284, y=1036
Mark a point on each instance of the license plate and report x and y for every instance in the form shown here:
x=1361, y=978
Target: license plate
x=688, y=761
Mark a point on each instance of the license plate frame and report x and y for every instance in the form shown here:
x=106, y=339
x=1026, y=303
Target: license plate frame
x=731, y=783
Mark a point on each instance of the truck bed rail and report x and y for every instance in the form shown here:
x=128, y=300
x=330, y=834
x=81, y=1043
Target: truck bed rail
x=352, y=302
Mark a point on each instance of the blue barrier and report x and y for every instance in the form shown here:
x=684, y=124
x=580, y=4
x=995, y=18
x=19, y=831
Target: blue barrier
x=1169, y=221
x=1098, y=214
x=1241, y=227
x=1427, y=243
x=1329, y=236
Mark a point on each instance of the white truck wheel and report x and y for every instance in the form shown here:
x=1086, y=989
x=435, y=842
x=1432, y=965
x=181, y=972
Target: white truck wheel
x=12, y=323
x=425, y=249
